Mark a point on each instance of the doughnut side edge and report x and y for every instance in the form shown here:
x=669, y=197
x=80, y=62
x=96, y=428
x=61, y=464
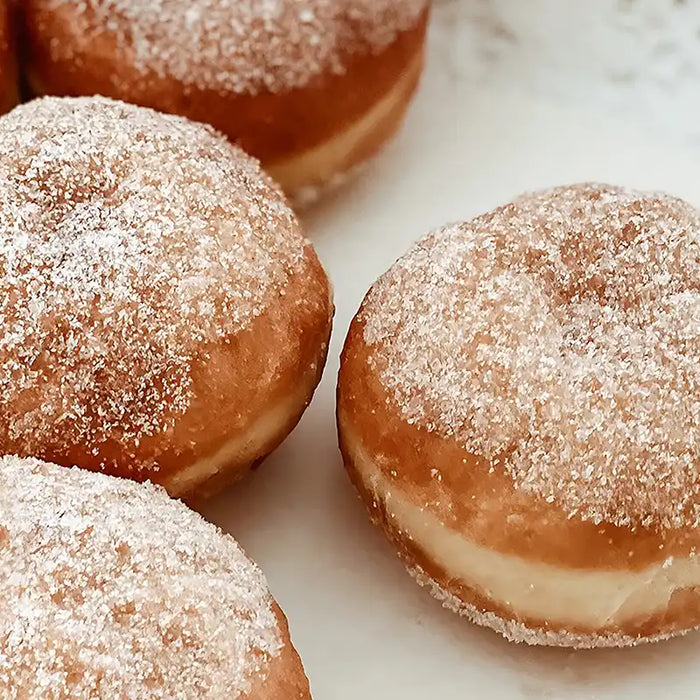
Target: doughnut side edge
x=363, y=407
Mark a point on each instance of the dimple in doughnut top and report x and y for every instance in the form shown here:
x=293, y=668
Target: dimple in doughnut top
x=558, y=336
x=128, y=240
x=247, y=45
x=111, y=589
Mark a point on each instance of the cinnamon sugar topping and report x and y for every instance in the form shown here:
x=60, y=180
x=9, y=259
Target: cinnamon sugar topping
x=112, y=590
x=559, y=337
x=128, y=240
x=243, y=46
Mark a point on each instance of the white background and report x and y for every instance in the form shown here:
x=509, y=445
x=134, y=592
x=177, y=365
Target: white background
x=517, y=95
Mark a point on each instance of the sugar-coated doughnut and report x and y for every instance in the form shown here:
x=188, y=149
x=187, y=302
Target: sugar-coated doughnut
x=113, y=590
x=311, y=87
x=519, y=407
x=9, y=95
x=161, y=315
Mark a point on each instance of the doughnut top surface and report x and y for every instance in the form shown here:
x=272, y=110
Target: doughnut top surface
x=244, y=46
x=128, y=241
x=559, y=337
x=111, y=589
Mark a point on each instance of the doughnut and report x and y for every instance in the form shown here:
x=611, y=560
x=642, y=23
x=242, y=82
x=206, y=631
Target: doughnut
x=519, y=409
x=9, y=95
x=161, y=315
x=310, y=87
x=113, y=590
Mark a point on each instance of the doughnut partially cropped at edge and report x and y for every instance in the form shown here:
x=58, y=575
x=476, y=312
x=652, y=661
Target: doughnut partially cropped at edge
x=113, y=590
x=311, y=87
x=519, y=408
x=9, y=87
x=161, y=315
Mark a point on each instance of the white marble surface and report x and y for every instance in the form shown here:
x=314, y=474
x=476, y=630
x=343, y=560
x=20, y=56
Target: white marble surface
x=638, y=58
x=518, y=94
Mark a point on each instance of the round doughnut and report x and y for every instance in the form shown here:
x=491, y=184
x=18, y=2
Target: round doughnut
x=519, y=407
x=9, y=95
x=113, y=590
x=310, y=87
x=161, y=315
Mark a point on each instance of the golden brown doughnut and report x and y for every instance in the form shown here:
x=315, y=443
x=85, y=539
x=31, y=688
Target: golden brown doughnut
x=519, y=407
x=9, y=95
x=161, y=315
x=113, y=590
x=311, y=87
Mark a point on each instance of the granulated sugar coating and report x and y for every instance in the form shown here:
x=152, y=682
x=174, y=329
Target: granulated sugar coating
x=243, y=46
x=128, y=240
x=559, y=337
x=113, y=590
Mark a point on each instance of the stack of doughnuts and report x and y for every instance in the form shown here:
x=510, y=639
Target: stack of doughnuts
x=518, y=405
x=163, y=317
x=113, y=590
x=310, y=87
